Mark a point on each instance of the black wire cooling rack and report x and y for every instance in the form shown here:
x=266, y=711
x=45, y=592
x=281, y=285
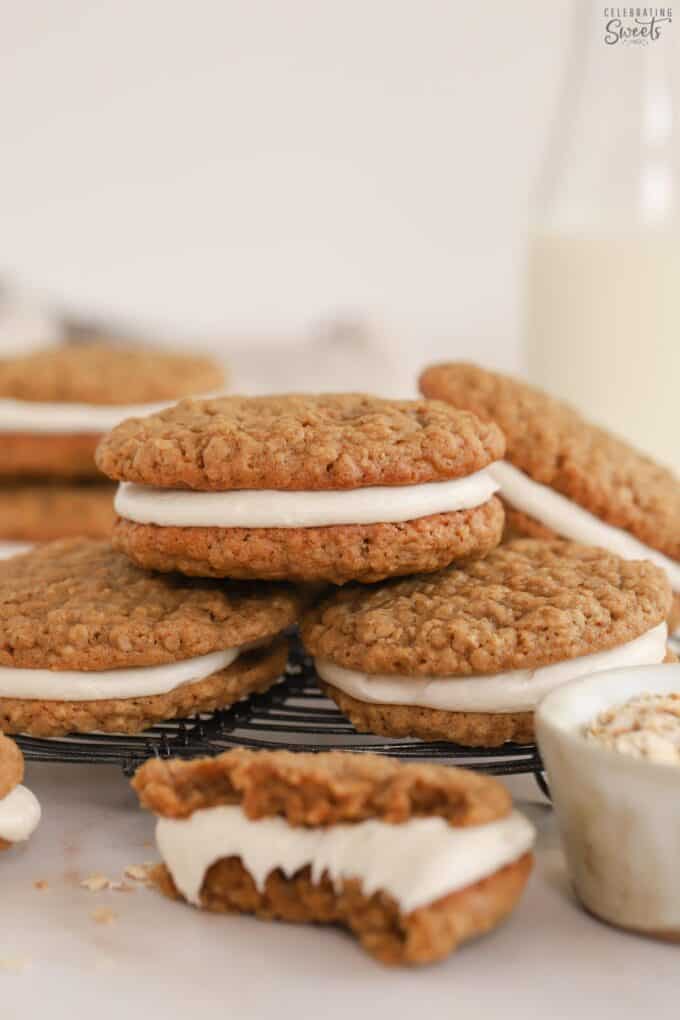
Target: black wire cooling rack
x=293, y=715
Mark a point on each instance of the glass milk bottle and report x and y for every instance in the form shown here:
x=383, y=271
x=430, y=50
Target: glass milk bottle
x=603, y=315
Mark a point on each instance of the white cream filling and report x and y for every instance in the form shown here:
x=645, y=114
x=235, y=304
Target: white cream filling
x=571, y=521
x=519, y=690
x=57, y=418
x=19, y=815
x=9, y=549
x=269, y=508
x=136, y=682
x=417, y=862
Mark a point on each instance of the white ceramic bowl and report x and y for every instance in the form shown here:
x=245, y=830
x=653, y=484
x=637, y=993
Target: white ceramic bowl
x=619, y=816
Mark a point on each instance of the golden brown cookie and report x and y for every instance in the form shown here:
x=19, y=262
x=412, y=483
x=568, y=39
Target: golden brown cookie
x=303, y=448
x=41, y=511
x=519, y=525
x=34, y=455
x=550, y=443
x=78, y=604
x=11, y=765
x=528, y=605
x=318, y=792
x=471, y=729
x=80, y=375
x=320, y=789
x=340, y=553
x=298, y=442
x=254, y=671
x=395, y=939
x=81, y=610
x=104, y=375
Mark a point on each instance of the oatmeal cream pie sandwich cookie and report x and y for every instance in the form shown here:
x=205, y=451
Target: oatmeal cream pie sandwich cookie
x=311, y=488
x=56, y=403
x=19, y=808
x=412, y=859
x=89, y=642
x=564, y=476
x=466, y=654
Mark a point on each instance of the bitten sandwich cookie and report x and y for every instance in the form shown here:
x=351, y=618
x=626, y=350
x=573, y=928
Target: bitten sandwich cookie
x=565, y=477
x=467, y=654
x=310, y=488
x=90, y=642
x=19, y=808
x=39, y=511
x=56, y=403
x=413, y=859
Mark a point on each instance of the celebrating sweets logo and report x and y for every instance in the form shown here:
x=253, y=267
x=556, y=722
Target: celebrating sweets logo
x=635, y=26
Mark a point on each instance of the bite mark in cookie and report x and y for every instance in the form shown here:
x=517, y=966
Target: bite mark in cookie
x=312, y=838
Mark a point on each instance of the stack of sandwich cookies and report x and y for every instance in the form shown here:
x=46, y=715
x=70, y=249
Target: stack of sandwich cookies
x=564, y=476
x=328, y=488
x=19, y=808
x=466, y=654
x=413, y=859
x=90, y=642
x=55, y=405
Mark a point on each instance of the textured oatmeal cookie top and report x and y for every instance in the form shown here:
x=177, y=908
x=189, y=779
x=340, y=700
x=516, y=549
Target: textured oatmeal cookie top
x=528, y=603
x=78, y=604
x=98, y=374
x=320, y=789
x=11, y=765
x=332, y=441
x=555, y=446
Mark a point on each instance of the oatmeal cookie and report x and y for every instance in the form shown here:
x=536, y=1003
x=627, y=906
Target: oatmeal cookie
x=339, y=794
x=551, y=444
x=335, y=488
x=89, y=641
x=466, y=653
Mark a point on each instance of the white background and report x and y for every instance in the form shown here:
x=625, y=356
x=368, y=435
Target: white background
x=249, y=167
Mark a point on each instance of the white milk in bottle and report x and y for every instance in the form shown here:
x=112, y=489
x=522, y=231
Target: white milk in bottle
x=603, y=286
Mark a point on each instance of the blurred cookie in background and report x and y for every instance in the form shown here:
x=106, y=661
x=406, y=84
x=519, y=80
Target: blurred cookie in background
x=57, y=402
x=41, y=510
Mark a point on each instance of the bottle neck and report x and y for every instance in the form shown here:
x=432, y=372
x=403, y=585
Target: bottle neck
x=613, y=161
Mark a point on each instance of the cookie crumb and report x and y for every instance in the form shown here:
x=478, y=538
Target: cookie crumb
x=41, y=883
x=104, y=916
x=96, y=883
x=122, y=887
x=138, y=872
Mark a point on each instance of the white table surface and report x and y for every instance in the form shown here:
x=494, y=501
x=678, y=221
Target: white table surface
x=166, y=960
